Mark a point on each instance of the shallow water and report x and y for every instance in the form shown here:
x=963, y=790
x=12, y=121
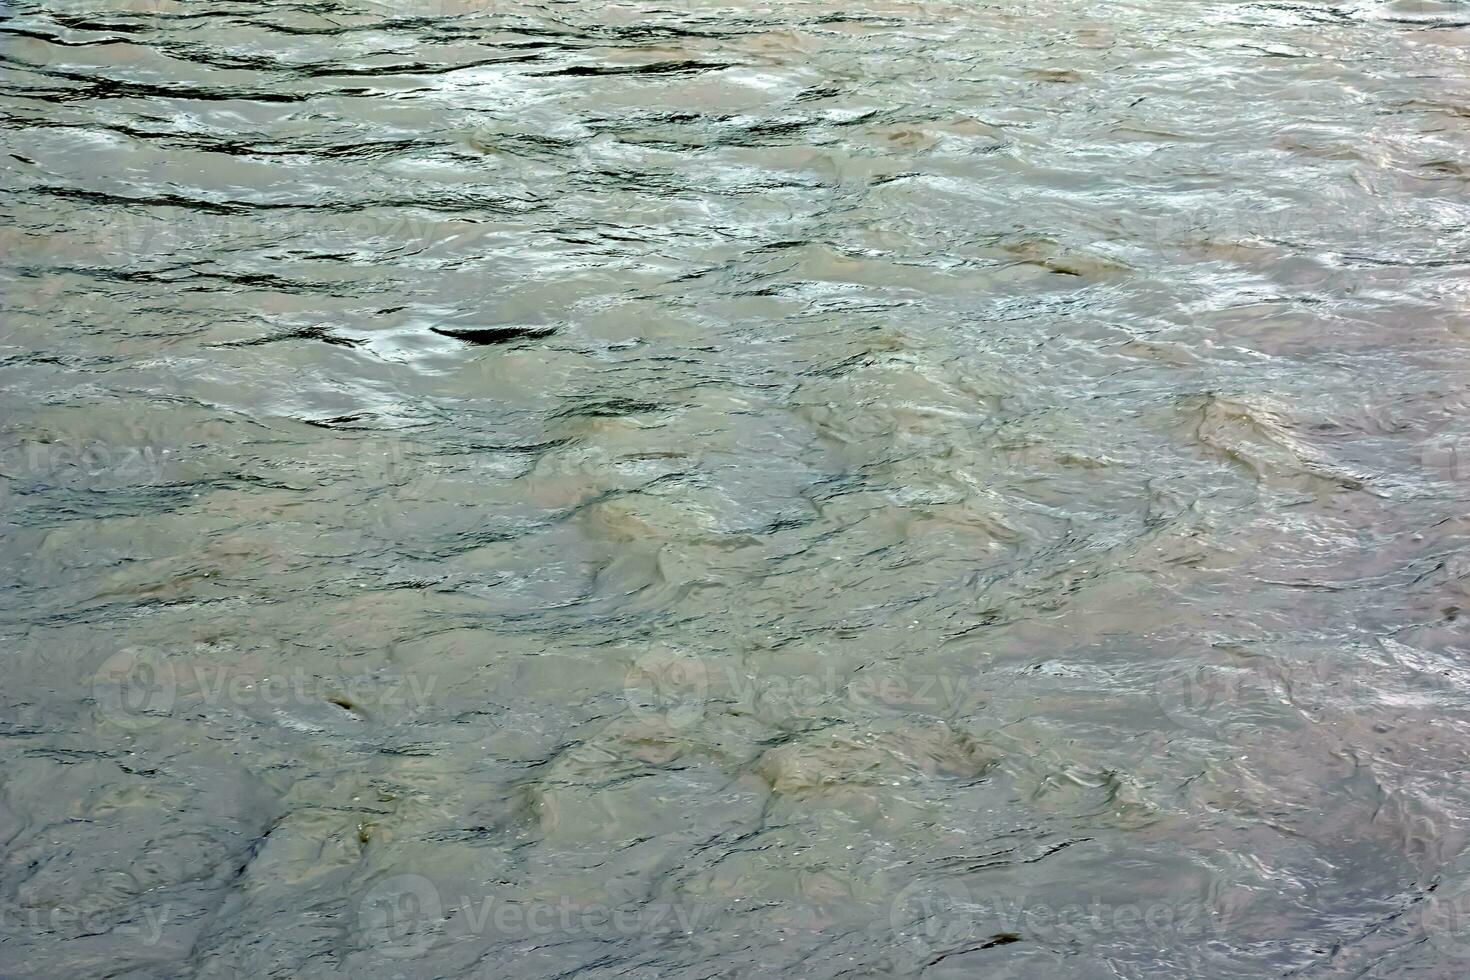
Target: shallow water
x=692, y=490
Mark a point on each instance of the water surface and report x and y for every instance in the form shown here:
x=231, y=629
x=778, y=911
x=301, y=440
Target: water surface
x=734, y=490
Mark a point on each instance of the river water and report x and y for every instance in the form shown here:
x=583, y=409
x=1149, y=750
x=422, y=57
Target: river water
x=734, y=490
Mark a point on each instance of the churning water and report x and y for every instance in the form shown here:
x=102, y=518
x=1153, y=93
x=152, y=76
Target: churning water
x=811, y=490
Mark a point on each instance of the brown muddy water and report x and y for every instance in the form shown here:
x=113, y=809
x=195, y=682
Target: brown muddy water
x=735, y=490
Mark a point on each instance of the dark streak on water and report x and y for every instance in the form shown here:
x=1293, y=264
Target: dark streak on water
x=805, y=490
